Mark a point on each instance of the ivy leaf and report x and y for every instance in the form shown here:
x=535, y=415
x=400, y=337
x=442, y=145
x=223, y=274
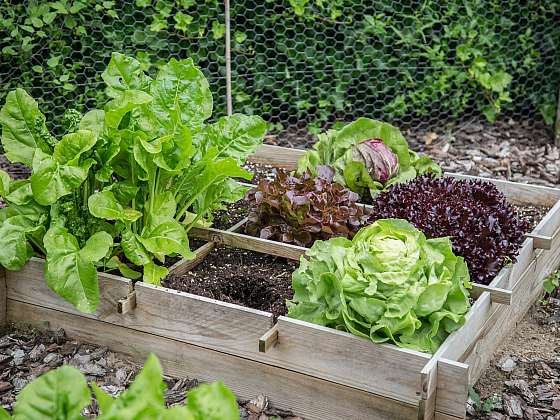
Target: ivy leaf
x=70, y=271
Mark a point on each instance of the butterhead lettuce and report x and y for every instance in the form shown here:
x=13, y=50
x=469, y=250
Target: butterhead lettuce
x=389, y=284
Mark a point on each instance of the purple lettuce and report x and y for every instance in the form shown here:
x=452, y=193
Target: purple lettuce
x=381, y=163
x=483, y=227
x=303, y=209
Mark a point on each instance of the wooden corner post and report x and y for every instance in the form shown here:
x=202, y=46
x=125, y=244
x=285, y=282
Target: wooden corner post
x=3, y=298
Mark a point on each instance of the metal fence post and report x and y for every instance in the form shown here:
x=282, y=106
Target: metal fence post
x=229, y=105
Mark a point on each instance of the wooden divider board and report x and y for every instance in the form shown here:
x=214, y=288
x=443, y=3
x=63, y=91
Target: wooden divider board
x=28, y=285
x=347, y=359
x=197, y=320
x=3, y=297
x=307, y=396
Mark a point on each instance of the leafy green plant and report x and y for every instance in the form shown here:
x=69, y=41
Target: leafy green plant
x=303, y=209
x=124, y=187
x=388, y=284
x=343, y=151
x=63, y=393
x=318, y=61
x=484, y=228
x=552, y=282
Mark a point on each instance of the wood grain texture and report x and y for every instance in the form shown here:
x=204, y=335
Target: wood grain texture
x=268, y=339
x=452, y=387
x=497, y=295
x=3, y=297
x=28, y=285
x=251, y=243
x=198, y=320
x=279, y=157
x=347, y=359
x=306, y=396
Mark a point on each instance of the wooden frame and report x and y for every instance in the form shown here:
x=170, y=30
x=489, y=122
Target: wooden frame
x=318, y=372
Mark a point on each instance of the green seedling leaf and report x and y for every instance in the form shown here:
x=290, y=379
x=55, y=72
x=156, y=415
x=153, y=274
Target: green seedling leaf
x=60, y=394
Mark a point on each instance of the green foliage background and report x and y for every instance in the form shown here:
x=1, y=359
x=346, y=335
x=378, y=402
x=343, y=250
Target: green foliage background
x=294, y=61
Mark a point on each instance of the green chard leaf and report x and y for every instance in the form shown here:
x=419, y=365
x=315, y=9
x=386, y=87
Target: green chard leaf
x=62, y=394
x=105, y=205
x=15, y=250
x=70, y=271
x=18, y=118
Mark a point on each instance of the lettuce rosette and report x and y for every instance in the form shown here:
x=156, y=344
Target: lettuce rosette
x=388, y=284
x=368, y=156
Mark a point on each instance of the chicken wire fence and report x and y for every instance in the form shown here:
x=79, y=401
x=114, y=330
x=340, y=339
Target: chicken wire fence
x=303, y=65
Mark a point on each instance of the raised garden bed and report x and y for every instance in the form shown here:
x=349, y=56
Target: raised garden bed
x=316, y=371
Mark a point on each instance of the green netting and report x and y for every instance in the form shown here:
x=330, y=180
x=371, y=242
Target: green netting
x=302, y=63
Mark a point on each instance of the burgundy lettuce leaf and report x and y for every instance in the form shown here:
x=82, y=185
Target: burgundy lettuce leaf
x=303, y=209
x=483, y=227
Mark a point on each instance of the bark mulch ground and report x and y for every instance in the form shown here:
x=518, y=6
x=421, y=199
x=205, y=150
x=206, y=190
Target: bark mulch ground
x=26, y=353
x=523, y=379
x=517, y=149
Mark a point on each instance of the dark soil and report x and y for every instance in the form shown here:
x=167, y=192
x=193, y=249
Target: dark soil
x=534, y=214
x=235, y=212
x=265, y=172
x=246, y=278
x=26, y=353
x=523, y=379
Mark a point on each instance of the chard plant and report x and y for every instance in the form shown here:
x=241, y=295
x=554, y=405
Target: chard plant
x=63, y=393
x=123, y=187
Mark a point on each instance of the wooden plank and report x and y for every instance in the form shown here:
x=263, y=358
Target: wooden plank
x=279, y=157
x=452, y=387
x=182, y=266
x=427, y=390
x=306, y=396
x=550, y=224
x=516, y=192
x=3, y=297
x=28, y=285
x=526, y=291
x=251, y=243
x=344, y=358
x=127, y=304
x=269, y=339
x=198, y=320
x=540, y=241
x=497, y=295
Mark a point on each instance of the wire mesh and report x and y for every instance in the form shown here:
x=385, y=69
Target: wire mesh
x=304, y=65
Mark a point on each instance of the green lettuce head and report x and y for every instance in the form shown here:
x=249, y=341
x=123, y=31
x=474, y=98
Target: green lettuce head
x=389, y=284
x=368, y=156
